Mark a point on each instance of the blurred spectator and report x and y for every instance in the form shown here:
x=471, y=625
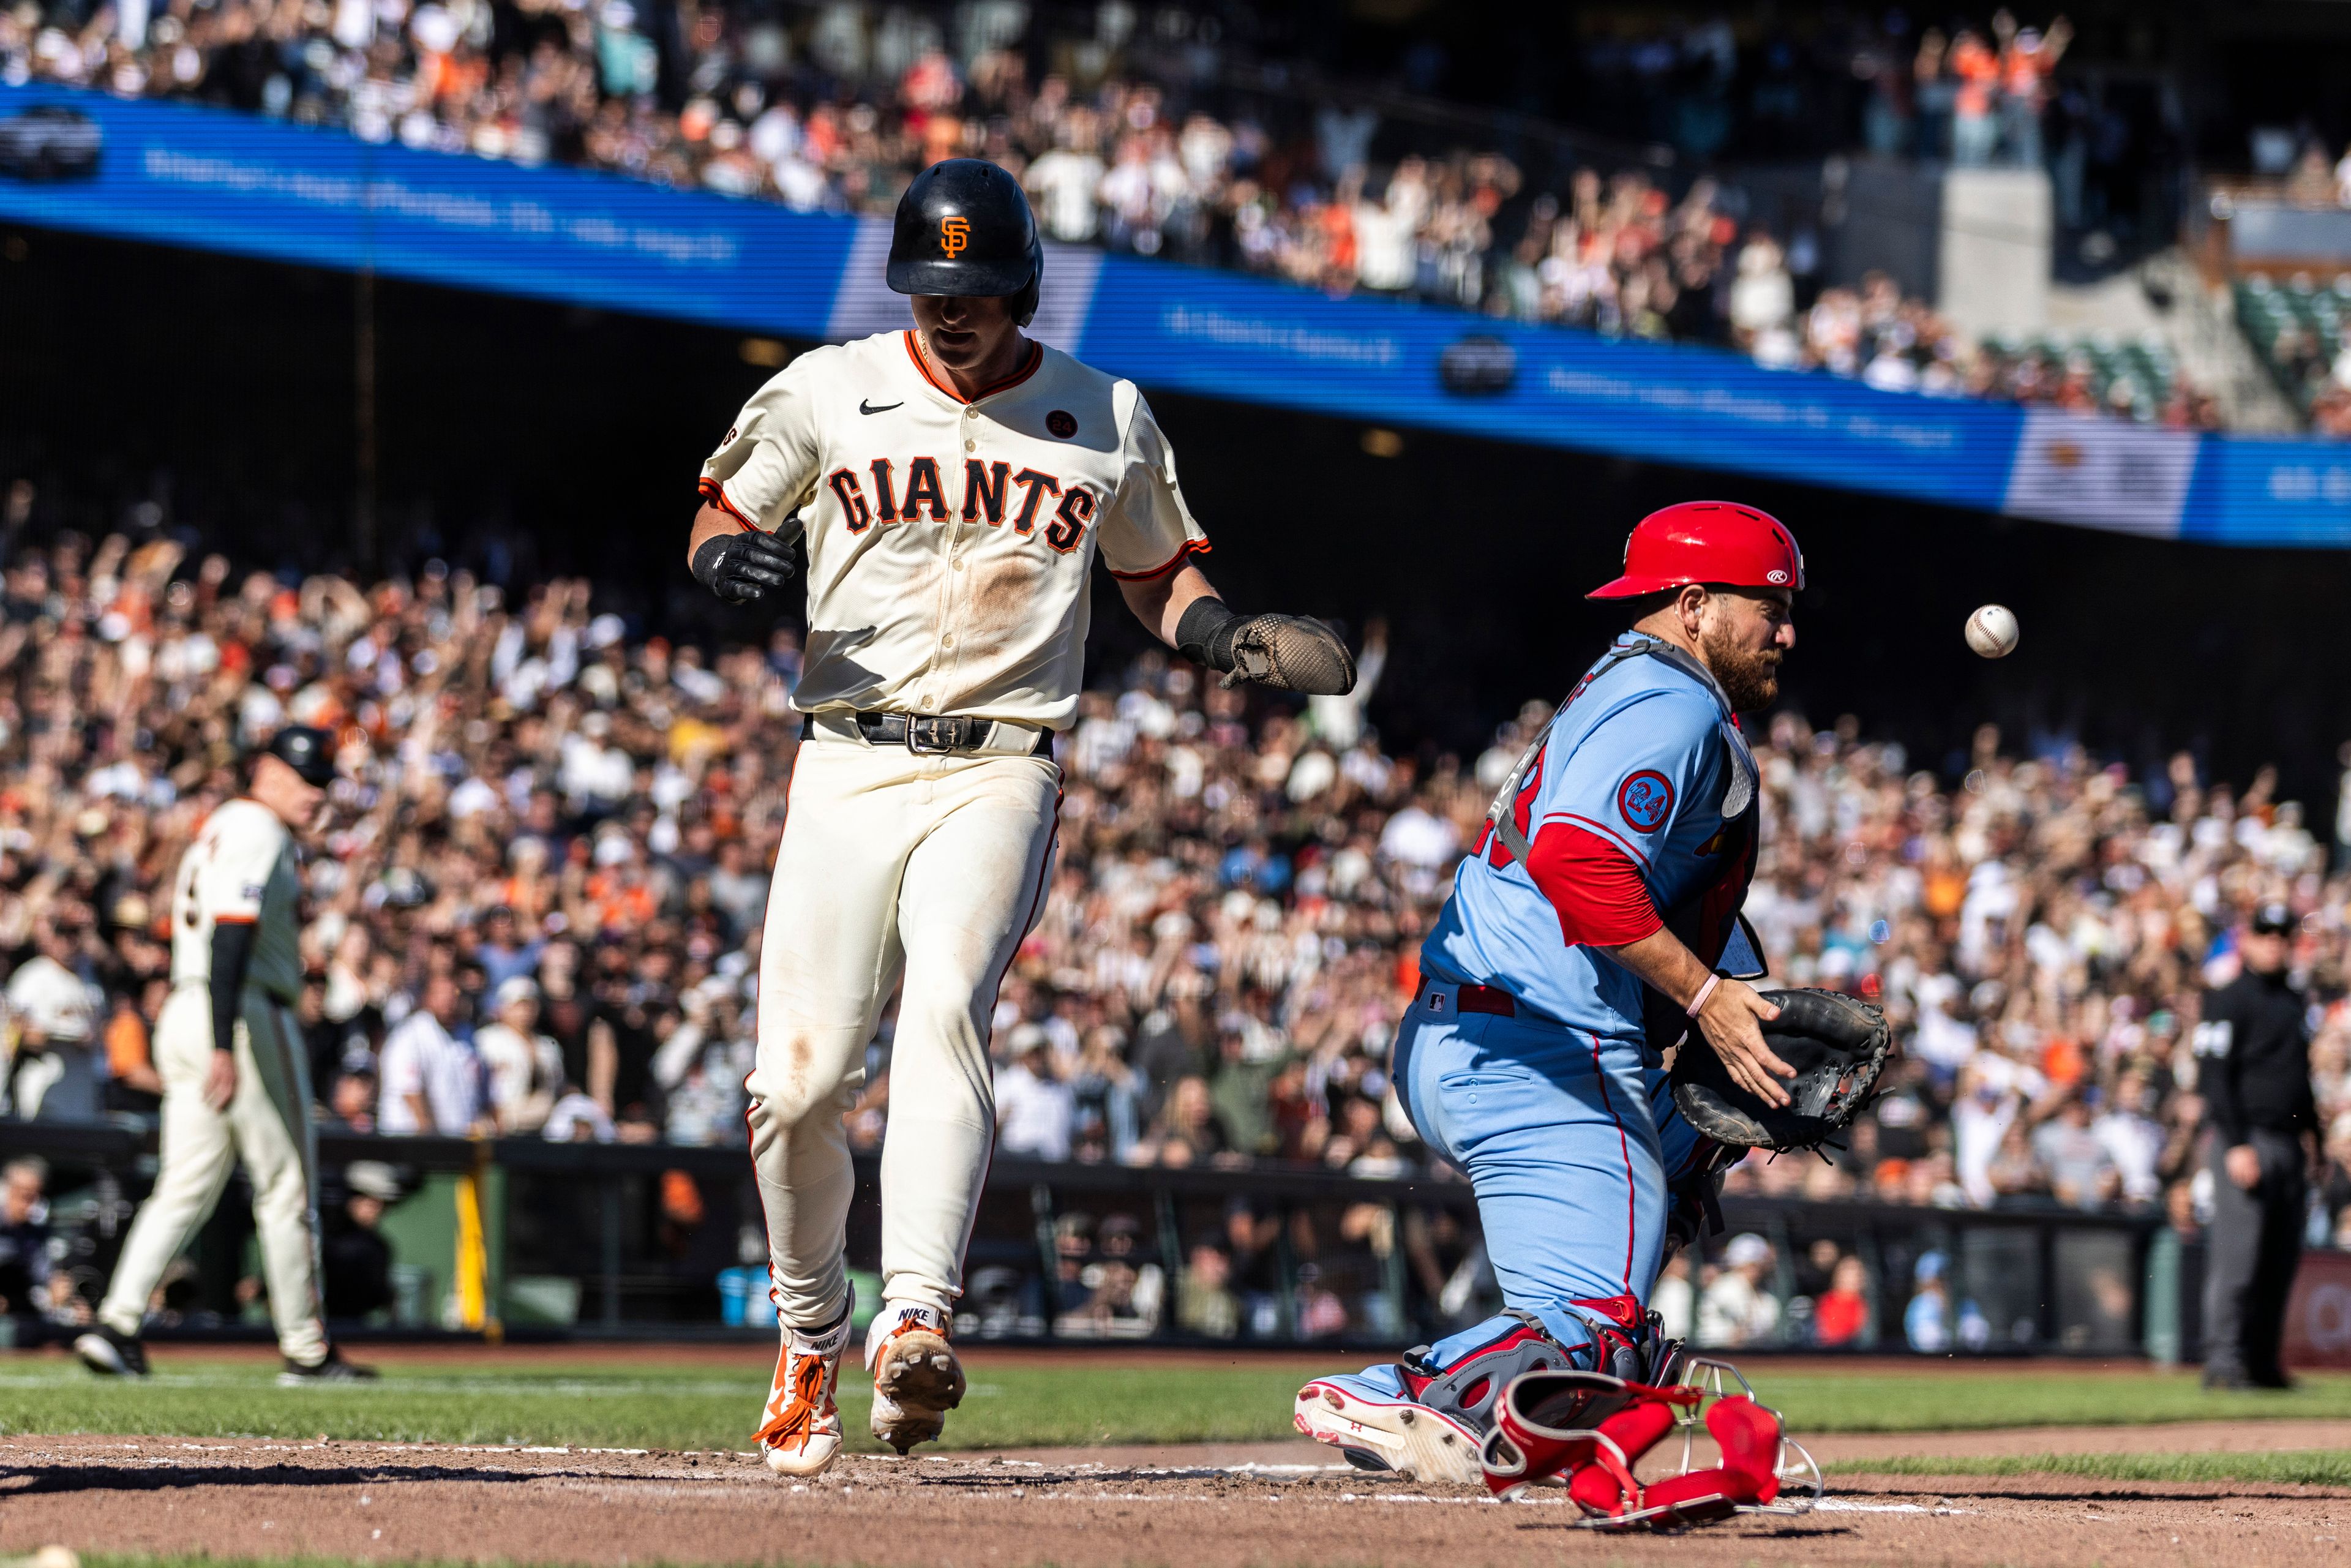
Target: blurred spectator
x=576, y=1118
x=1736, y=1308
x=2133, y=1140
x=431, y=1080
x=1927, y=1320
x=356, y=1261
x=1204, y=1305
x=2079, y=1167
x=522, y=1069
x=1841, y=1312
x=1673, y=1299
x=26, y=1268
x=132, y=1085
x=54, y=1073
x=1035, y=1111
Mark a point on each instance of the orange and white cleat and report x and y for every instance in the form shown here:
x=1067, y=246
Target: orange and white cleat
x=916, y=1378
x=800, y=1433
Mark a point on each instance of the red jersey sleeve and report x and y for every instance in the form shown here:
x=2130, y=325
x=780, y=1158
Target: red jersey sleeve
x=1594, y=886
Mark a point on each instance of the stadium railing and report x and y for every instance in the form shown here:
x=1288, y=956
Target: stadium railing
x=524, y=1239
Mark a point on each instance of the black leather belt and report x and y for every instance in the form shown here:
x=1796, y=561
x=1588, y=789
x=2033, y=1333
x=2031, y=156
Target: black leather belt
x=938, y=733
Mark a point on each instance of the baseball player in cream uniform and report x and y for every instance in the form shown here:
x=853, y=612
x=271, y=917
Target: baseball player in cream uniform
x=236, y=1080
x=951, y=487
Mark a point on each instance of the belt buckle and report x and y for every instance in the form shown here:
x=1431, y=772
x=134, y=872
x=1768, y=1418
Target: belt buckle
x=937, y=735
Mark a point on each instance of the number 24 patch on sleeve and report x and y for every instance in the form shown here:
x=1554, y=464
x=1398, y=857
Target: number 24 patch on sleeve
x=1645, y=799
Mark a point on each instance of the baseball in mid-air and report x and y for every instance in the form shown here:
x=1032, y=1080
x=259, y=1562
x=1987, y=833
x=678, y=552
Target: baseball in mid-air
x=1991, y=631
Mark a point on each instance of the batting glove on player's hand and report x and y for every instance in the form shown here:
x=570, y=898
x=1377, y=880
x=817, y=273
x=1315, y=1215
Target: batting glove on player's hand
x=1292, y=653
x=1289, y=652
x=744, y=569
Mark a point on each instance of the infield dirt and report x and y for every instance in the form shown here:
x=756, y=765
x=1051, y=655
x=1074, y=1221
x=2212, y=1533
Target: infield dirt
x=1094, y=1509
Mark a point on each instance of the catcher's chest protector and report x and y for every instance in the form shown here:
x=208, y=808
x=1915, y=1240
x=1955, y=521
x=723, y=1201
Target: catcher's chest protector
x=1705, y=919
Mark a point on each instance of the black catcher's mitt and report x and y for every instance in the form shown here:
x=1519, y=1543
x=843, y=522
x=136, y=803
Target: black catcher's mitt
x=1838, y=1047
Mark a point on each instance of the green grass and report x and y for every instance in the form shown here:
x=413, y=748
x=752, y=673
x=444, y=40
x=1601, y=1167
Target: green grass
x=2306, y=1467
x=1940, y=1399
x=650, y=1405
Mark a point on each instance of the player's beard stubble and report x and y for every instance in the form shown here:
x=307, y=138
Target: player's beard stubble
x=1749, y=676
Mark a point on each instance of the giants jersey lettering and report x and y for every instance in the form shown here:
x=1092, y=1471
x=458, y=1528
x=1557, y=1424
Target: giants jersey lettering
x=1635, y=767
x=949, y=543
x=240, y=868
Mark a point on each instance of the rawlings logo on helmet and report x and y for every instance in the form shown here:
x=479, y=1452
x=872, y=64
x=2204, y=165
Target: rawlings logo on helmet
x=953, y=235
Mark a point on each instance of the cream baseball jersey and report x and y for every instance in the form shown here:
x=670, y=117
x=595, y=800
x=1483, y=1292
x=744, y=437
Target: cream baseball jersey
x=949, y=541
x=240, y=868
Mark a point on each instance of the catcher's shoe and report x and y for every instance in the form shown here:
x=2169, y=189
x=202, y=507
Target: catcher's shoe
x=1371, y=1418
x=800, y=1432
x=111, y=1354
x=916, y=1378
x=1425, y=1416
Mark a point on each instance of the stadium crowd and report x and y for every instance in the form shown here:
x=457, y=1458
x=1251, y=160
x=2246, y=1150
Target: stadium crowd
x=536, y=910
x=1157, y=156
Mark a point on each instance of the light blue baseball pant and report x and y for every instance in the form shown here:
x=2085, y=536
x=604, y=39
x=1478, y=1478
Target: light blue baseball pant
x=1569, y=1142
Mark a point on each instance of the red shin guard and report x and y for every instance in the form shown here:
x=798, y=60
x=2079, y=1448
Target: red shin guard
x=1604, y=1485
x=1749, y=1436
x=1587, y=1424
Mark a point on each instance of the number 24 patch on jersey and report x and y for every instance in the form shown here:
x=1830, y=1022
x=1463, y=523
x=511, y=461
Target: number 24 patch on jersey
x=1645, y=799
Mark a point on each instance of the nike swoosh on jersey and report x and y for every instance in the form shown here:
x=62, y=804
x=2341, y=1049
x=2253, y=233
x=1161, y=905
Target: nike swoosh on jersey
x=864, y=407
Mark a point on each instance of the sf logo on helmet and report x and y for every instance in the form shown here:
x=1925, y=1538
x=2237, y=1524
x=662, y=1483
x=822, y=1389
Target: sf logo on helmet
x=953, y=235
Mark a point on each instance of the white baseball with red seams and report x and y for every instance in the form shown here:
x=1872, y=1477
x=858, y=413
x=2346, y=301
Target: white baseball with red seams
x=949, y=546
x=1992, y=630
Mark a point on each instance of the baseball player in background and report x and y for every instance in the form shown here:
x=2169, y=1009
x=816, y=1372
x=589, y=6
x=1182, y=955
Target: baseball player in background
x=951, y=487
x=1581, y=942
x=236, y=1078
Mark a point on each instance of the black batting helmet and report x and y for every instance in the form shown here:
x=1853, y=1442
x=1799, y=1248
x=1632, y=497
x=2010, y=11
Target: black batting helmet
x=964, y=227
x=311, y=752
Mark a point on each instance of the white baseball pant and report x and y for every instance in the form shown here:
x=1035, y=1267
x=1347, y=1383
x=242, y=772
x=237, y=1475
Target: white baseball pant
x=892, y=863
x=267, y=1124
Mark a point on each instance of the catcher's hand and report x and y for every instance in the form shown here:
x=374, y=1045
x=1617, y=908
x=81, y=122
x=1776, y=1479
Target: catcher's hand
x=745, y=568
x=1836, y=1048
x=1732, y=1023
x=1292, y=653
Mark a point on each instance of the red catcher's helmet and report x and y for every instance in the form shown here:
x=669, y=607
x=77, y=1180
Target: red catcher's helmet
x=1706, y=541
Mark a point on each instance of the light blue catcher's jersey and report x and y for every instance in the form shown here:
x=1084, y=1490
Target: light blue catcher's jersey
x=1638, y=759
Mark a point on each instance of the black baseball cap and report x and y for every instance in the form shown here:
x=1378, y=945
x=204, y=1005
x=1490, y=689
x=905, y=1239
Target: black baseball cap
x=308, y=750
x=2273, y=919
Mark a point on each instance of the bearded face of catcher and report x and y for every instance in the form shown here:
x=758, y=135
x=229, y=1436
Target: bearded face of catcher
x=1742, y=633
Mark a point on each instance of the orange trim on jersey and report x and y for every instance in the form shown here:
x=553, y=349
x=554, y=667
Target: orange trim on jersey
x=235, y=919
x=923, y=367
x=714, y=493
x=1191, y=548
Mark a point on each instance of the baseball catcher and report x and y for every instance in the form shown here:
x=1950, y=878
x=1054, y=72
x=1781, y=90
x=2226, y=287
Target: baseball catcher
x=1592, y=933
x=951, y=487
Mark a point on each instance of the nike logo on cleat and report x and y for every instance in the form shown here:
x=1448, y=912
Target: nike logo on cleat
x=864, y=407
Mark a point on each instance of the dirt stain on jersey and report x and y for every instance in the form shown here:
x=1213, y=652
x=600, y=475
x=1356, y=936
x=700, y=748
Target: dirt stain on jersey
x=1003, y=596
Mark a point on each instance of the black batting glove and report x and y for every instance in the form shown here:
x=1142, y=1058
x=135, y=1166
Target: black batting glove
x=748, y=567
